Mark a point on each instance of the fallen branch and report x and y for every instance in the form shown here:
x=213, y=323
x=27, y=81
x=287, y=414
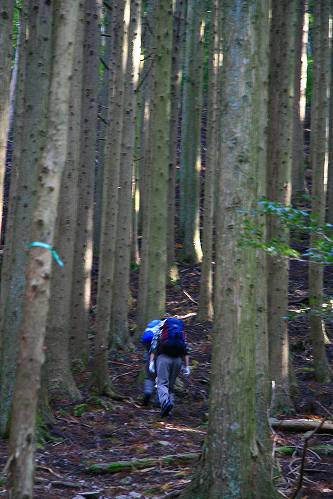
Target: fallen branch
x=300, y=424
x=136, y=464
x=302, y=466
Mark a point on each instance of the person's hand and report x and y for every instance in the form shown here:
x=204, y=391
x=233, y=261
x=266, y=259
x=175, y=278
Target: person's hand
x=151, y=367
x=187, y=371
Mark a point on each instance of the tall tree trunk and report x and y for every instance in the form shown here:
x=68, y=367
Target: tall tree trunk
x=121, y=284
x=190, y=143
x=153, y=284
x=103, y=123
x=177, y=59
x=213, y=117
x=60, y=381
x=280, y=113
x=36, y=302
x=32, y=144
x=143, y=167
x=100, y=377
x=319, y=160
x=330, y=151
x=81, y=292
x=6, y=55
x=264, y=486
x=230, y=456
x=302, y=28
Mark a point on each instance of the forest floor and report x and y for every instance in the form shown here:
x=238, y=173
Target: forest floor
x=98, y=430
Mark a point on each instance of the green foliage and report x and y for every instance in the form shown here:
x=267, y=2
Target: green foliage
x=80, y=409
x=300, y=222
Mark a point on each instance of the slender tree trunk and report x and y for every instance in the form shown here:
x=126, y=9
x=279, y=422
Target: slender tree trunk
x=100, y=376
x=302, y=27
x=6, y=55
x=229, y=462
x=102, y=125
x=121, y=284
x=264, y=486
x=177, y=59
x=145, y=166
x=60, y=381
x=190, y=147
x=155, y=266
x=280, y=113
x=319, y=160
x=81, y=292
x=31, y=144
x=31, y=354
x=213, y=116
x=330, y=151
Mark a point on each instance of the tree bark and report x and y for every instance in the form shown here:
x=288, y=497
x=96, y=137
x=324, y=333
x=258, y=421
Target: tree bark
x=153, y=284
x=28, y=151
x=280, y=114
x=302, y=29
x=51, y=164
x=100, y=381
x=229, y=462
x=60, y=381
x=82, y=267
x=190, y=142
x=175, y=99
x=319, y=160
x=119, y=317
x=205, y=311
x=6, y=55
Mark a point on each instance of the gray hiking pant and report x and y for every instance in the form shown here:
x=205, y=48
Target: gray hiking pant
x=149, y=382
x=167, y=369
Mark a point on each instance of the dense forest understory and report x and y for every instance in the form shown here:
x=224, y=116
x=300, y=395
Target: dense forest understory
x=96, y=430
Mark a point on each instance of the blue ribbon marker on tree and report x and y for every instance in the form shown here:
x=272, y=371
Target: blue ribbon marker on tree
x=53, y=252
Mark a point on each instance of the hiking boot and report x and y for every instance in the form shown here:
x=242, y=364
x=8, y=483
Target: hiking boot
x=146, y=399
x=166, y=409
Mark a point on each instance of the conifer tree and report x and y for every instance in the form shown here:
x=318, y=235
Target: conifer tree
x=319, y=160
x=154, y=263
x=229, y=465
x=36, y=301
x=279, y=153
x=6, y=55
x=37, y=61
x=83, y=252
x=190, y=143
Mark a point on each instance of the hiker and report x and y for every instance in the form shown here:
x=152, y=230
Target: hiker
x=168, y=351
x=149, y=381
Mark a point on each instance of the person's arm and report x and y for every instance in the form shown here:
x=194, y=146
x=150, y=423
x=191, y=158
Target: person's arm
x=187, y=360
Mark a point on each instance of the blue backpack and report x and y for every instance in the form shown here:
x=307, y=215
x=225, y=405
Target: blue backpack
x=172, y=340
x=149, y=332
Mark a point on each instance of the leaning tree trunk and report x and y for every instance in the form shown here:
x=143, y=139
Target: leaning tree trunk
x=82, y=266
x=280, y=113
x=121, y=285
x=228, y=467
x=190, y=143
x=32, y=143
x=6, y=55
x=319, y=153
x=36, y=302
x=60, y=380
